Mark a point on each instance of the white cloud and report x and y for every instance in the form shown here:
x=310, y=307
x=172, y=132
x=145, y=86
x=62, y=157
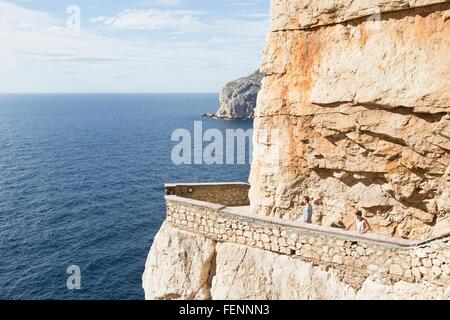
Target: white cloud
x=13, y=16
x=243, y=29
x=38, y=54
x=161, y=2
x=185, y=21
x=152, y=19
x=244, y=3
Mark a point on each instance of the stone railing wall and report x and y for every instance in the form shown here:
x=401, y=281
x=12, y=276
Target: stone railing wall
x=227, y=194
x=353, y=255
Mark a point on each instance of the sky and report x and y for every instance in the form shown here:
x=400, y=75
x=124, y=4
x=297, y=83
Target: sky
x=49, y=46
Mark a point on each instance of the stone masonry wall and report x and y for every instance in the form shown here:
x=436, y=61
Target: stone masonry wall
x=354, y=256
x=228, y=194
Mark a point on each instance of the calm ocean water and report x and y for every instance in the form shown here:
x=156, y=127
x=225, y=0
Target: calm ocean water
x=81, y=183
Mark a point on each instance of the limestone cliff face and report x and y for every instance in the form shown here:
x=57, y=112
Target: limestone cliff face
x=354, y=111
x=178, y=266
x=238, y=98
x=184, y=265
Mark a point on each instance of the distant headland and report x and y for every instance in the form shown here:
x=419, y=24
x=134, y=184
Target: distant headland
x=238, y=98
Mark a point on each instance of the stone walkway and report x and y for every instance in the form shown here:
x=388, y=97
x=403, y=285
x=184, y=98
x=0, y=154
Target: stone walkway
x=239, y=210
x=244, y=211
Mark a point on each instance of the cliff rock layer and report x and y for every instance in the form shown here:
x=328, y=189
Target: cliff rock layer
x=184, y=265
x=238, y=98
x=354, y=111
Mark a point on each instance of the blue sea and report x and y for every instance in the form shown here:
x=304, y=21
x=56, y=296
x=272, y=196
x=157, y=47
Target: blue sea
x=82, y=183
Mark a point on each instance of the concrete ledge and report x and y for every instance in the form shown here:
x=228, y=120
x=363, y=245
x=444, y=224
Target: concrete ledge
x=205, y=184
x=197, y=203
x=425, y=242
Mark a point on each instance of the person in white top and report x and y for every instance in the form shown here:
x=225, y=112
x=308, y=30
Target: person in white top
x=362, y=225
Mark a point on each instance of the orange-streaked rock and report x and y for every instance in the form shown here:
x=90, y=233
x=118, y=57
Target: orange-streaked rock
x=357, y=115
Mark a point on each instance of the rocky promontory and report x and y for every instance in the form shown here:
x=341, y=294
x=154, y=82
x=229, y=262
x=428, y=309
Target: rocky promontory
x=238, y=98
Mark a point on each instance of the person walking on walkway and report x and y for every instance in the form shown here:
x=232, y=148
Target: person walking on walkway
x=307, y=210
x=362, y=225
